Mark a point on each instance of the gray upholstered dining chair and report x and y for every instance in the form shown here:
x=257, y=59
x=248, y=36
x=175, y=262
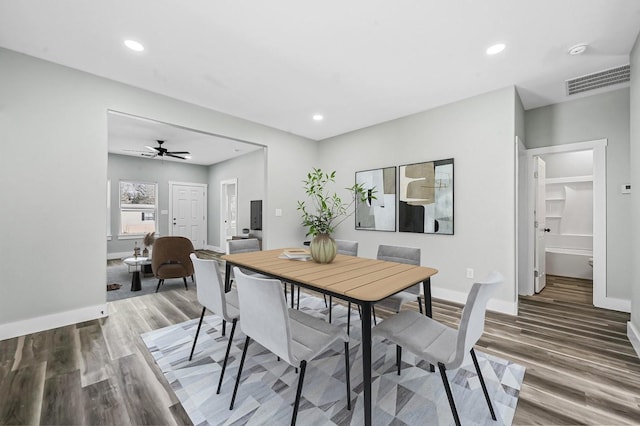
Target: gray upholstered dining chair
x=408, y=255
x=292, y=335
x=246, y=245
x=439, y=344
x=348, y=248
x=211, y=295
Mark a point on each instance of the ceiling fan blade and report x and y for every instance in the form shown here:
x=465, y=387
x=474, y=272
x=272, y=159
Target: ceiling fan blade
x=151, y=148
x=169, y=154
x=149, y=155
x=179, y=152
x=133, y=150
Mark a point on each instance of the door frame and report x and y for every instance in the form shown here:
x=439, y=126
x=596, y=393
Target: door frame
x=204, y=187
x=598, y=147
x=223, y=229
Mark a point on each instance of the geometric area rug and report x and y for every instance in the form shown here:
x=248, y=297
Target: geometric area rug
x=267, y=390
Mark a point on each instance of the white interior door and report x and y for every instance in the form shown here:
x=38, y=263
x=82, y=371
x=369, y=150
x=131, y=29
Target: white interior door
x=188, y=213
x=540, y=278
x=228, y=211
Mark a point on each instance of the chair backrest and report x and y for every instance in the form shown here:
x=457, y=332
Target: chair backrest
x=244, y=245
x=264, y=313
x=408, y=255
x=210, y=286
x=349, y=248
x=473, y=315
x=172, y=250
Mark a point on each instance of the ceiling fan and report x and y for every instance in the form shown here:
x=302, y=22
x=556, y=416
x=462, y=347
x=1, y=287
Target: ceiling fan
x=159, y=151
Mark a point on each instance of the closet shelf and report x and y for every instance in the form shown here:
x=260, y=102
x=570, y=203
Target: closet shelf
x=570, y=179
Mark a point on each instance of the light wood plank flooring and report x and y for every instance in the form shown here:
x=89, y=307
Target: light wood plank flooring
x=581, y=368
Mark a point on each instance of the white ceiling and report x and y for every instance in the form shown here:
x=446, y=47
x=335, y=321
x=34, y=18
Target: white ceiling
x=357, y=62
x=129, y=135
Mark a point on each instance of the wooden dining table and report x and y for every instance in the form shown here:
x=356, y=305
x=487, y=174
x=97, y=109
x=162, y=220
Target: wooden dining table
x=355, y=279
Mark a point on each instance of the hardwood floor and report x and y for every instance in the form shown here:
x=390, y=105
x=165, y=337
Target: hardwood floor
x=581, y=369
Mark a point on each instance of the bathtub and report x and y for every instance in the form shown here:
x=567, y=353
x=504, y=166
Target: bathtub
x=569, y=262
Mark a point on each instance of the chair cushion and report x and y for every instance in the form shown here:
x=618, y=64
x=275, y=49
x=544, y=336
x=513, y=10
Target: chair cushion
x=312, y=336
x=427, y=338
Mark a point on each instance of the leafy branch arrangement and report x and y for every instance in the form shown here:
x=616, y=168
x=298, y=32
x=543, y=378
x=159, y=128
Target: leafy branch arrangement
x=325, y=211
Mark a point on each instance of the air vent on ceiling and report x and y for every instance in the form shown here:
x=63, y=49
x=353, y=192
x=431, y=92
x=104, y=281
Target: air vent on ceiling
x=599, y=79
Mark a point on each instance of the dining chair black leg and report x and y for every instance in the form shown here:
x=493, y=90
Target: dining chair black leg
x=398, y=357
x=303, y=367
x=373, y=312
x=325, y=301
x=348, y=374
x=244, y=355
x=160, y=282
x=447, y=388
x=420, y=304
x=298, y=302
x=286, y=296
x=185, y=282
x=226, y=356
x=484, y=386
x=195, y=339
x=224, y=328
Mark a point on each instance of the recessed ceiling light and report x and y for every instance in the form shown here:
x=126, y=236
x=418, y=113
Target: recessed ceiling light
x=496, y=48
x=318, y=117
x=578, y=49
x=134, y=45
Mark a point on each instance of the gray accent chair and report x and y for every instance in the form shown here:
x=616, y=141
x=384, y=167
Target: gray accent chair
x=438, y=344
x=171, y=259
x=211, y=295
x=292, y=335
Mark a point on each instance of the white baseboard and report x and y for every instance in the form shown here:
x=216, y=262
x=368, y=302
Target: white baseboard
x=47, y=322
x=621, y=305
x=494, y=305
x=634, y=337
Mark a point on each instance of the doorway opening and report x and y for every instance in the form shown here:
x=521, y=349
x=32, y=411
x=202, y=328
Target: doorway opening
x=567, y=216
x=182, y=183
x=228, y=211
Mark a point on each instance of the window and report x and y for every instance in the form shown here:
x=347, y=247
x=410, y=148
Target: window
x=138, y=206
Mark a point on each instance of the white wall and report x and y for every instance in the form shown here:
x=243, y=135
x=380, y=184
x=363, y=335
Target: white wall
x=249, y=169
x=53, y=121
x=634, y=278
x=478, y=133
x=604, y=116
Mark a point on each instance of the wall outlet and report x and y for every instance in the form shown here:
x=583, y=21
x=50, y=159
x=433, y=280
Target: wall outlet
x=469, y=273
x=278, y=212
